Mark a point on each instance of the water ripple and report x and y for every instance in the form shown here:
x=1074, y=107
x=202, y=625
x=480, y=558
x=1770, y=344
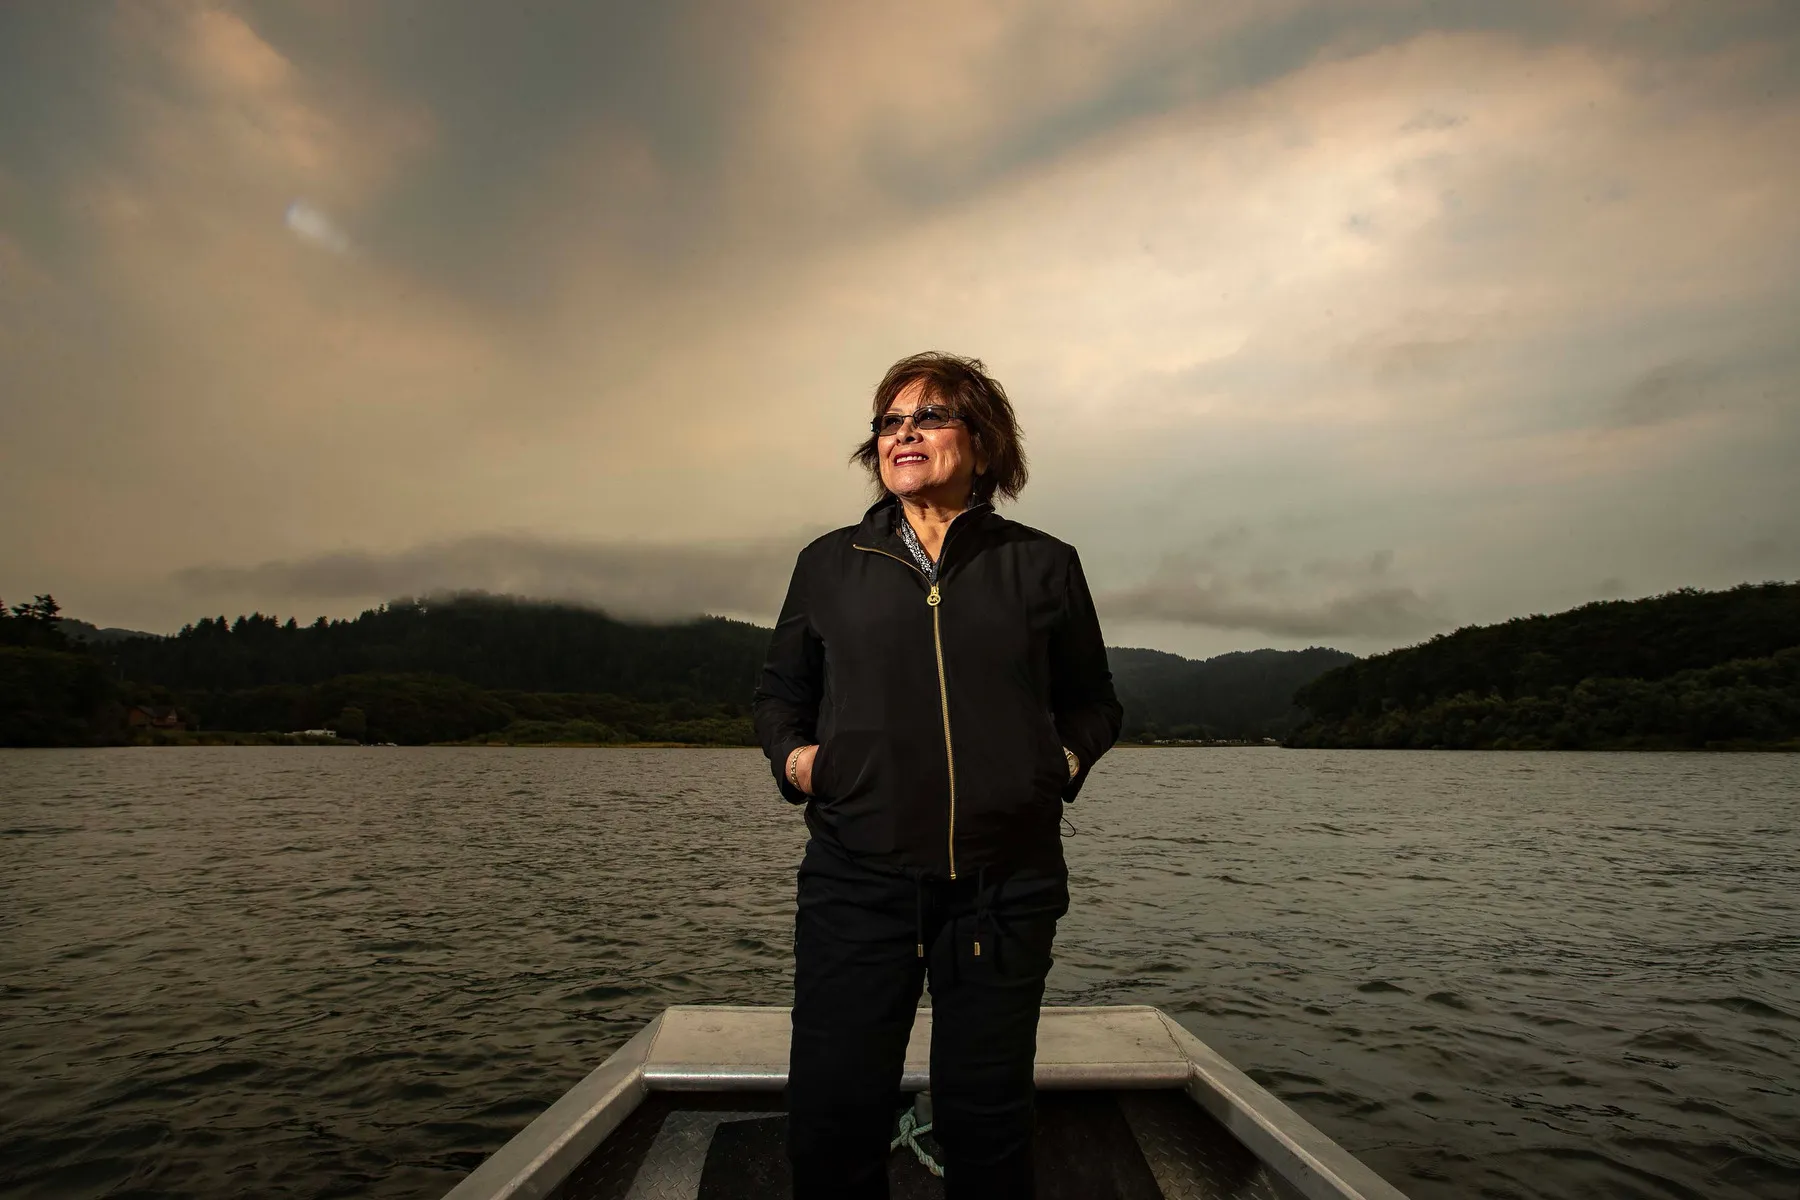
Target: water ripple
x=316, y=972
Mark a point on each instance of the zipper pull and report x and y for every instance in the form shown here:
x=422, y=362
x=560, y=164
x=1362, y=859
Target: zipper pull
x=932, y=598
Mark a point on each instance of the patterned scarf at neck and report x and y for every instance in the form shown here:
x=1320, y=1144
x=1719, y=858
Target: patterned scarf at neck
x=914, y=548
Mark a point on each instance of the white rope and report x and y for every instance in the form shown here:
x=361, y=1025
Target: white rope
x=910, y=1132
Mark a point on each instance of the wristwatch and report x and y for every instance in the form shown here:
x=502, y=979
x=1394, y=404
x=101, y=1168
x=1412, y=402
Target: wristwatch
x=1074, y=763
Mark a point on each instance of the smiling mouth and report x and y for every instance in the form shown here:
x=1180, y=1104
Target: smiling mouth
x=901, y=460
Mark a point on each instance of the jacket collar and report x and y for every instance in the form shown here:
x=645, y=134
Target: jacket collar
x=877, y=527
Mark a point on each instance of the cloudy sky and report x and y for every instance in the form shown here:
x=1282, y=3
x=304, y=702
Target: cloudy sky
x=1329, y=322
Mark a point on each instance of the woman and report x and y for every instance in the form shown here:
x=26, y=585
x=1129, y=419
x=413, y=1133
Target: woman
x=936, y=690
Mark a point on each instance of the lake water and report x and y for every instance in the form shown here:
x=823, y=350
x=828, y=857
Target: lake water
x=330, y=972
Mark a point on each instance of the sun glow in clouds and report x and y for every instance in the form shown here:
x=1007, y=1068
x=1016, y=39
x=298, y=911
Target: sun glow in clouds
x=309, y=223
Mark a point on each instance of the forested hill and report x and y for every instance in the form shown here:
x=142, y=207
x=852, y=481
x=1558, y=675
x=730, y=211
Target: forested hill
x=1689, y=669
x=1686, y=669
x=493, y=668
x=1244, y=695
x=492, y=642
x=473, y=667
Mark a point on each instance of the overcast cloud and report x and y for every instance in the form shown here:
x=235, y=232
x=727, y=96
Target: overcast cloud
x=306, y=306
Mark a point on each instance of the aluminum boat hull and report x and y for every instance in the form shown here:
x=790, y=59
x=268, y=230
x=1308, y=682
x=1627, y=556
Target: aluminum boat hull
x=1121, y=1083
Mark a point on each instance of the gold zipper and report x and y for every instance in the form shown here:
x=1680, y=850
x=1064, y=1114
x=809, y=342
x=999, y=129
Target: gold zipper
x=934, y=598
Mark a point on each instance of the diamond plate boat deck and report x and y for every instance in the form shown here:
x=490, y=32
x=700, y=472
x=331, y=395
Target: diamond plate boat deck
x=1131, y=1106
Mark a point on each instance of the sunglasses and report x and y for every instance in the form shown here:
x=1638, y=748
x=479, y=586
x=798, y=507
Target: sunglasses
x=928, y=416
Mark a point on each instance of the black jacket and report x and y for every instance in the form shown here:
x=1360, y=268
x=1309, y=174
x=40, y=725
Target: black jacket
x=941, y=712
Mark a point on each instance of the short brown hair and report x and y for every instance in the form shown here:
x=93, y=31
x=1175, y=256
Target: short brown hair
x=964, y=385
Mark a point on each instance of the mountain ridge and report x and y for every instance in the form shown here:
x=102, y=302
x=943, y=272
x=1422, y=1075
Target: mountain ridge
x=1688, y=669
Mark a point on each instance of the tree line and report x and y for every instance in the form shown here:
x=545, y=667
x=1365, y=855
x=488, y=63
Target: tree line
x=1687, y=670
x=472, y=668
x=495, y=668
x=497, y=642
x=51, y=694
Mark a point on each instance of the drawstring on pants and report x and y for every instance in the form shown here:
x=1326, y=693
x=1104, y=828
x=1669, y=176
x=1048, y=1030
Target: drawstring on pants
x=987, y=922
x=919, y=913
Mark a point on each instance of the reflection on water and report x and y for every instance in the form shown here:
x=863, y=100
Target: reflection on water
x=295, y=972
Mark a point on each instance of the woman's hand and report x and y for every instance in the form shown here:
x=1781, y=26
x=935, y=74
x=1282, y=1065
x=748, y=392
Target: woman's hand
x=800, y=765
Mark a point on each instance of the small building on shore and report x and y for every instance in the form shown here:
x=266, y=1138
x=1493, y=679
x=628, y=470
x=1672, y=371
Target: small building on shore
x=153, y=716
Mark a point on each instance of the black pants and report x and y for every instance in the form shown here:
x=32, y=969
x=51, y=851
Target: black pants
x=857, y=979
